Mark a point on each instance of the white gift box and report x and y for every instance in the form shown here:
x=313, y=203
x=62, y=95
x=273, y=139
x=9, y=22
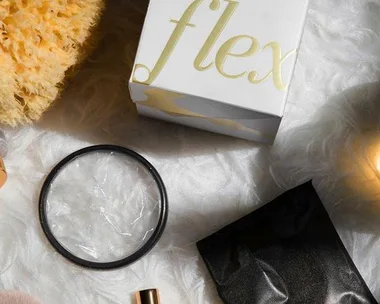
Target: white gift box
x=220, y=65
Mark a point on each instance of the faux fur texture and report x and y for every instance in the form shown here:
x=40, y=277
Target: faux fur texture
x=40, y=41
x=330, y=133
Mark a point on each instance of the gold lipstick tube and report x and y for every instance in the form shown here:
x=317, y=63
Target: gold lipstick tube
x=149, y=296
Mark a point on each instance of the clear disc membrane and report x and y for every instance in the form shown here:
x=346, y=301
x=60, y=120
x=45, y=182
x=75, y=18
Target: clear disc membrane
x=104, y=206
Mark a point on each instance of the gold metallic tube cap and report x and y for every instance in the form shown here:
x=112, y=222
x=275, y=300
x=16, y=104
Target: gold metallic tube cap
x=3, y=173
x=149, y=296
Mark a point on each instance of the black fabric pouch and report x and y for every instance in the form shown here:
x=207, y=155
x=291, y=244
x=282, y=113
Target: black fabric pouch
x=285, y=252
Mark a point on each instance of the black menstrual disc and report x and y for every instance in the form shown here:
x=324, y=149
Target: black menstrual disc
x=103, y=207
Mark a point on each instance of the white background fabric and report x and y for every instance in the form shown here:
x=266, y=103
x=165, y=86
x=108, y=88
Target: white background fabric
x=212, y=180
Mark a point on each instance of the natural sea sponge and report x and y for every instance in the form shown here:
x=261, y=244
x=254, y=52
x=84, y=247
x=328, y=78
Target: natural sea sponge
x=40, y=42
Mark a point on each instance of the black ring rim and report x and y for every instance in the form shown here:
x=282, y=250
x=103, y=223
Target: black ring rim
x=142, y=251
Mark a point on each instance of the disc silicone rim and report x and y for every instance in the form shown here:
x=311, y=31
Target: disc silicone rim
x=146, y=247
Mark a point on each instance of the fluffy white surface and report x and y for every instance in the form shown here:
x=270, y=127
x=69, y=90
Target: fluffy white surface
x=330, y=133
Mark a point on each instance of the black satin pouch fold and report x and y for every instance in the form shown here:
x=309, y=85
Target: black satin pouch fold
x=285, y=252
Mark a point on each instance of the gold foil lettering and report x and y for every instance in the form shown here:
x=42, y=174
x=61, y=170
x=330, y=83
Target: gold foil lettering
x=225, y=51
x=215, y=34
x=170, y=46
x=215, y=5
x=276, y=72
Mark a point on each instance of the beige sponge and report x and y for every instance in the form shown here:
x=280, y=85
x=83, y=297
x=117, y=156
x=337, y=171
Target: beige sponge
x=40, y=40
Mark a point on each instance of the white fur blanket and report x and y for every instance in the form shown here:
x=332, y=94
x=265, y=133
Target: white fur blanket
x=330, y=133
